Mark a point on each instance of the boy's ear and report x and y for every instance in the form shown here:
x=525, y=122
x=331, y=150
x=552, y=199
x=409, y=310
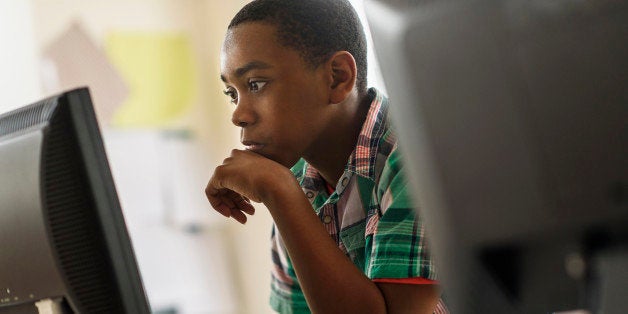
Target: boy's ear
x=343, y=76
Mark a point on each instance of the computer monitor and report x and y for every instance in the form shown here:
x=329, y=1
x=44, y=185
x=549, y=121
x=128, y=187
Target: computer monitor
x=64, y=246
x=512, y=116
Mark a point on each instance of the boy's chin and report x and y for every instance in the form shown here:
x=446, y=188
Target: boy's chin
x=283, y=160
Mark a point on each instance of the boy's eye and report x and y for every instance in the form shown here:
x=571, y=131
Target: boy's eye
x=255, y=86
x=233, y=95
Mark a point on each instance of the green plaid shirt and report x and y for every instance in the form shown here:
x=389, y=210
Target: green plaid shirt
x=369, y=215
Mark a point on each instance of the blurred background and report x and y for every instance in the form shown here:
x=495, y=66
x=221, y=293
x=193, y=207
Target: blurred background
x=153, y=71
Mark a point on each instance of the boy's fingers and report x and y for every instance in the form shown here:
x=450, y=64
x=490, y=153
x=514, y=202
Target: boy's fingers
x=220, y=207
x=223, y=210
x=216, y=201
x=238, y=215
x=228, y=202
x=246, y=206
x=228, y=197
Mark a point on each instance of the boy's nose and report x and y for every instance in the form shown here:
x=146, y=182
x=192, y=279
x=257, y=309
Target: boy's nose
x=242, y=117
x=238, y=121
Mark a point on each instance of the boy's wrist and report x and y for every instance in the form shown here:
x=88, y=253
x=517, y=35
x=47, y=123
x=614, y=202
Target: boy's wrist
x=280, y=189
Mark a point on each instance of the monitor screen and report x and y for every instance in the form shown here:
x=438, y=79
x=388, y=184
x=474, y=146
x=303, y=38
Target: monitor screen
x=512, y=117
x=64, y=246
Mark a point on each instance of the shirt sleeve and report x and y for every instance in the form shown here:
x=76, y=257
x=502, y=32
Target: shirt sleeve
x=398, y=248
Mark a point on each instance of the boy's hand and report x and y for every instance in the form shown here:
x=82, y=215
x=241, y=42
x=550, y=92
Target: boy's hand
x=243, y=177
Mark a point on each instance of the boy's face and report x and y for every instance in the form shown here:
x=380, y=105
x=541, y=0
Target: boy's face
x=282, y=105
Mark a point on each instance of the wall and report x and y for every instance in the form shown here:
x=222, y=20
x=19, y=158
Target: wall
x=246, y=250
x=18, y=79
x=28, y=26
x=250, y=242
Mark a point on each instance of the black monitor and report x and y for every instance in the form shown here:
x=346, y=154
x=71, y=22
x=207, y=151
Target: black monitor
x=64, y=246
x=513, y=118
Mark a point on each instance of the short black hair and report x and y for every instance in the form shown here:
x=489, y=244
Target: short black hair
x=315, y=28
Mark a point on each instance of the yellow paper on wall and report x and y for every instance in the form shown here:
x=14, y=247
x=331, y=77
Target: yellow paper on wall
x=160, y=72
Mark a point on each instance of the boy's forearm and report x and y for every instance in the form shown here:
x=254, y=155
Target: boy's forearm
x=330, y=281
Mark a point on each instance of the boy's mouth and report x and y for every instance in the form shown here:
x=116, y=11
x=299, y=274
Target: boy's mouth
x=252, y=146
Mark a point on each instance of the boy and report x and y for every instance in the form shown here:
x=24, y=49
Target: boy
x=345, y=237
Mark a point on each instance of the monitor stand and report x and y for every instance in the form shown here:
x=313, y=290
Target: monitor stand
x=612, y=281
x=50, y=306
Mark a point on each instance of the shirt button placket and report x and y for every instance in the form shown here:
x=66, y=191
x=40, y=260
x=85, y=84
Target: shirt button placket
x=344, y=181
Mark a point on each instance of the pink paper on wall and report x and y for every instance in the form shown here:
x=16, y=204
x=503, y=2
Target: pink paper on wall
x=74, y=60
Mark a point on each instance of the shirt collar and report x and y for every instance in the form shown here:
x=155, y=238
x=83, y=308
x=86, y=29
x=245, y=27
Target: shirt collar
x=362, y=159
